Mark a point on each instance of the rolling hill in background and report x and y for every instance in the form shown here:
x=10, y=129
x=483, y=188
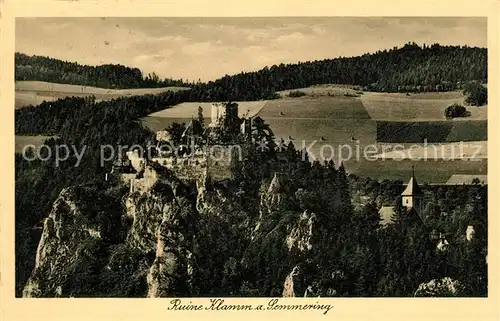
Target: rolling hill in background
x=410, y=68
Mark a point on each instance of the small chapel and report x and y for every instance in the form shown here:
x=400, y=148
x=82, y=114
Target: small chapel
x=412, y=198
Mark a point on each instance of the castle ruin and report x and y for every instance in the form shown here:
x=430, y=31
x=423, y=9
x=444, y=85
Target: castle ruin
x=194, y=157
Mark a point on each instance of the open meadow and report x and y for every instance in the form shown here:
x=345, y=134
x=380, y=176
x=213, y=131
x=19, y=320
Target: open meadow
x=432, y=131
x=472, y=150
x=190, y=109
x=430, y=171
x=35, y=92
x=322, y=107
x=340, y=127
x=335, y=90
x=417, y=107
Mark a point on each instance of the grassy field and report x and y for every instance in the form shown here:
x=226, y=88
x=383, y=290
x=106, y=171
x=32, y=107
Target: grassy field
x=458, y=179
x=302, y=131
x=372, y=119
x=22, y=141
x=417, y=107
x=431, y=171
x=324, y=90
x=35, y=92
x=338, y=133
x=188, y=110
x=465, y=150
x=332, y=131
x=432, y=131
x=319, y=107
x=468, y=131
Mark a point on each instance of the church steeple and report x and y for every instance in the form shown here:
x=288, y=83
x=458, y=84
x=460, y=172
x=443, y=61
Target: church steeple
x=412, y=196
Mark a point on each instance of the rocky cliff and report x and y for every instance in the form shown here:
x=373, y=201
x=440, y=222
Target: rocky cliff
x=183, y=238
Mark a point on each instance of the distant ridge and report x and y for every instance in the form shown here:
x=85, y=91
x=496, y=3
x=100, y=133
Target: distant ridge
x=410, y=68
x=111, y=76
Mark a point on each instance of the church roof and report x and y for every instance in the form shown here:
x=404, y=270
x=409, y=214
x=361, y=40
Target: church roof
x=412, y=188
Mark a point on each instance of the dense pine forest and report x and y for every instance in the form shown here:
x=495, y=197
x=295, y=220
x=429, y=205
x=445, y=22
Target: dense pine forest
x=88, y=124
x=410, y=68
x=104, y=76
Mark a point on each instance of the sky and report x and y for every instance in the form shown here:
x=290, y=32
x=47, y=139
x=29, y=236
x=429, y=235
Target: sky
x=209, y=48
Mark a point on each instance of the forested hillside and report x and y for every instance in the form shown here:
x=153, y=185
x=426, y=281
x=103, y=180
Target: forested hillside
x=410, y=68
x=104, y=76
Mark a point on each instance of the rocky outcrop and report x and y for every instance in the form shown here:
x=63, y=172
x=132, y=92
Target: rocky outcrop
x=170, y=237
x=293, y=286
x=301, y=234
x=271, y=200
x=70, y=234
x=439, y=288
x=172, y=270
x=145, y=213
x=164, y=235
x=275, y=191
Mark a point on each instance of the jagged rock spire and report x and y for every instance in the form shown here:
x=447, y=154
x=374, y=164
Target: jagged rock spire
x=276, y=185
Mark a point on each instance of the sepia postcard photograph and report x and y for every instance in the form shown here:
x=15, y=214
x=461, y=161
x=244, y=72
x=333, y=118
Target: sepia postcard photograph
x=236, y=158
